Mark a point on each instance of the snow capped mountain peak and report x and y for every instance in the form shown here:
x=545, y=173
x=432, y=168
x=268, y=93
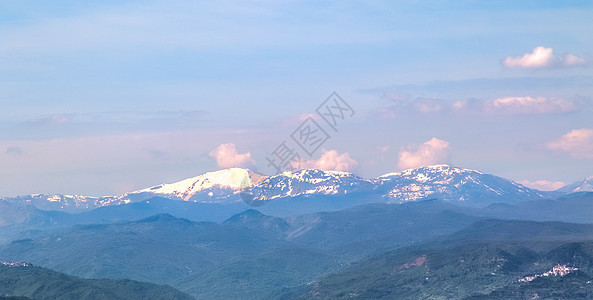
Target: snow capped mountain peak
x=452, y=183
x=309, y=181
x=585, y=185
x=234, y=179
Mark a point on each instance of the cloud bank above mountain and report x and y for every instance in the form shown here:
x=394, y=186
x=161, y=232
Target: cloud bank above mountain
x=330, y=160
x=227, y=156
x=432, y=152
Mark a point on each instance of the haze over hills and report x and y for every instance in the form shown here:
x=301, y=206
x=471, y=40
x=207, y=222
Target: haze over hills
x=250, y=255
x=256, y=256
x=444, y=182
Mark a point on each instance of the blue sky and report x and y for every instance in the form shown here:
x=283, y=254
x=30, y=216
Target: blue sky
x=104, y=97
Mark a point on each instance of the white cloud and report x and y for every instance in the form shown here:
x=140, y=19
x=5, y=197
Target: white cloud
x=529, y=105
x=330, y=161
x=432, y=152
x=227, y=156
x=542, y=58
x=543, y=185
x=578, y=143
x=513, y=105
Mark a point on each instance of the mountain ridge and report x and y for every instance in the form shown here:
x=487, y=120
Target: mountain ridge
x=225, y=187
x=585, y=185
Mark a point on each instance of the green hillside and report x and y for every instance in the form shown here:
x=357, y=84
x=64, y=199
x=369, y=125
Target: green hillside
x=487, y=260
x=26, y=281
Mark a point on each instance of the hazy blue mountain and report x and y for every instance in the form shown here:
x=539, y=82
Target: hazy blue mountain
x=26, y=221
x=255, y=220
x=167, y=250
x=370, y=228
x=20, y=221
x=23, y=281
x=15, y=213
x=575, y=207
x=157, y=205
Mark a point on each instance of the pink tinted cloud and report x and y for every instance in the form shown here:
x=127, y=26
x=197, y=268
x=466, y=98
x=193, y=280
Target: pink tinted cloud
x=543, y=185
x=227, y=156
x=330, y=160
x=578, y=143
x=529, y=105
x=432, y=152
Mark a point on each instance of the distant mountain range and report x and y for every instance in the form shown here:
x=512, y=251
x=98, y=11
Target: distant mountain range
x=469, y=187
